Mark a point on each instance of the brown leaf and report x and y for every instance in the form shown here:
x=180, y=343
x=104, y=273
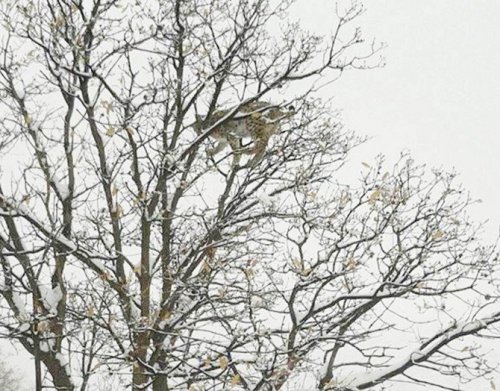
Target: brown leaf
x=437, y=235
x=235, y=380
x=374, y=196
x=116, y=212
x=207, y=362
x=110, y=131
x=222, y=362
x=27, y=119
x=166, y=315
x=249, y=272
x=89, y=311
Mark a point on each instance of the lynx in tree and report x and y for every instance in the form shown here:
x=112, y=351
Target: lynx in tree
x=257, y=120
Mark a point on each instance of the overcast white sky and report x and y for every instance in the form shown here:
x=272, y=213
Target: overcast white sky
x=438, y=95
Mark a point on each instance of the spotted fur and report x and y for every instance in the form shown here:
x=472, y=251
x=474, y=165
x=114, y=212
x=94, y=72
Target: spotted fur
x=259, y=121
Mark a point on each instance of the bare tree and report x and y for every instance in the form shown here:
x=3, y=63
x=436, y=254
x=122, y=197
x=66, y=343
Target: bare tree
x=135, y=256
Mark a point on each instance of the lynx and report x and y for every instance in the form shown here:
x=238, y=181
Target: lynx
x=259, y=121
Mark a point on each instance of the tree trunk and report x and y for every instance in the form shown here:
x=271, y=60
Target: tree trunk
x=60, y=376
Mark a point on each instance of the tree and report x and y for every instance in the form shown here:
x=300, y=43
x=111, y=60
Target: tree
x=132, y=256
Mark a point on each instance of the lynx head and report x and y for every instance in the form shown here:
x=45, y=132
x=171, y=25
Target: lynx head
x=279, y=113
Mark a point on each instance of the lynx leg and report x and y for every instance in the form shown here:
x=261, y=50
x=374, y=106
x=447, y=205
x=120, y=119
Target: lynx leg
x=235, y=144
x=221, y=144
x=258, y=150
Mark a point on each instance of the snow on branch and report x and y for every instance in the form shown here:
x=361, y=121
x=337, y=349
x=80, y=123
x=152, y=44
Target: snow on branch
x=364, y=380
x=88, y=256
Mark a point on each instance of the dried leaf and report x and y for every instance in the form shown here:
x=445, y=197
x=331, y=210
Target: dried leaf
x=89, y=311
x=296, y=264
x=222, y=362
x=306, y=271
x=207, y=362
x=350, y=263
x=116, y=212
x=235, y=380
x=312, y=195
x=375, y=195
x=57, y=22
x=205, y=267
x=437, y=235
x=166, y=315
x=110, y=131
